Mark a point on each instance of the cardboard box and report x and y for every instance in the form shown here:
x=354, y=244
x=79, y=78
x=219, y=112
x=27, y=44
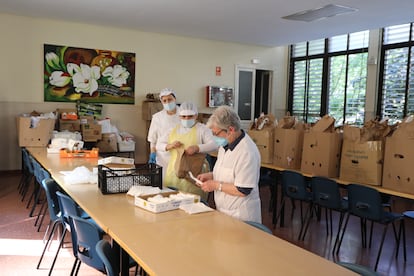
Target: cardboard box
x=116, y=160
x=108, y=143
x=264, y=141
x=86, y=119
x=361, y=162
x=287, y=150
x=142, y=201
x=321, y=153
x=398, y=172
x=38, y=136
x=67, y=113
x=150, y=108
x=126, y=145
x=69, y=125
x=91, y=132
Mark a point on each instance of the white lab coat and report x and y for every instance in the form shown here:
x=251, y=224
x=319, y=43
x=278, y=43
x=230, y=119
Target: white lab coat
x=161, y=124
x=240, y=166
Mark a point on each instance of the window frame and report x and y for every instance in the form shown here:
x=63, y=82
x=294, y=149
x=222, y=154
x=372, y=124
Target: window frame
x=384, y=48
x=326, y=56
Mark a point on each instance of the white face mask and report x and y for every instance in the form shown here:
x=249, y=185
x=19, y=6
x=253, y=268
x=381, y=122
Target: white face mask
x=188, y=123
x=169, y=106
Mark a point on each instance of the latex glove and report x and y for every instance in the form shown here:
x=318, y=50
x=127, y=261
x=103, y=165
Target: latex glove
x=152, y=158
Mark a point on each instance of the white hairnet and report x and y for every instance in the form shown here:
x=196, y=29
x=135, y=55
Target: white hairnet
x=166, y=92
x=188, y=109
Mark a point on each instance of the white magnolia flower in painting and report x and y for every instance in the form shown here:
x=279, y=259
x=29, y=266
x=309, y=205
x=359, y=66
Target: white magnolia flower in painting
x=85, y=78
x=117, y=75
x=73, y=68
x=59, y=78
x=53, y=61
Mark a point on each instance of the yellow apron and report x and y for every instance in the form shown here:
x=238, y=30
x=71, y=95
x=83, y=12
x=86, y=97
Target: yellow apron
x=171, y=179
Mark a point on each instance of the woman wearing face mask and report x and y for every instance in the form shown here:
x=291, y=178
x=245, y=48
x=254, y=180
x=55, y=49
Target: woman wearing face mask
x=236, y=173
x=161, y=123
x=192, y=137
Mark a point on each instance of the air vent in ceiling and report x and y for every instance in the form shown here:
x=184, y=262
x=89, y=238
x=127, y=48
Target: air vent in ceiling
x=320, y=13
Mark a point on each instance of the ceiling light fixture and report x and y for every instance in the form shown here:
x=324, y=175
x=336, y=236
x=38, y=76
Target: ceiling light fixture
x=320, y=13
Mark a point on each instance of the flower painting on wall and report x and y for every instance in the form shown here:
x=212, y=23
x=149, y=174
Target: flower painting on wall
x=88, y=75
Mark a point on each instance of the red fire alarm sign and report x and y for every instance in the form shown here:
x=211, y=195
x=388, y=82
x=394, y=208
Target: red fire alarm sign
x=218, y=70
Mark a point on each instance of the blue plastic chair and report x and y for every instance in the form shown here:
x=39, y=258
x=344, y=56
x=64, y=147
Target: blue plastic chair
x=109, y=257
x=366, y=203
x=42, y=175
x=294, y=187
x=259, y=226
x=360, y=269
x=27, y=174
x=68, y=209
x=85, y=236
x=326, y=195
x=51, y=187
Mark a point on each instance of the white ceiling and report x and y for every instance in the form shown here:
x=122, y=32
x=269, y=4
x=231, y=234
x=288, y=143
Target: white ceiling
x=255, y=22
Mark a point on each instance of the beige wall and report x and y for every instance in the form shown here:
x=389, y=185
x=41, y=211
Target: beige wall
x=187, y=65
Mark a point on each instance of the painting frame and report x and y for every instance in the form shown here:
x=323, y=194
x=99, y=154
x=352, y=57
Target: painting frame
x=73, y=74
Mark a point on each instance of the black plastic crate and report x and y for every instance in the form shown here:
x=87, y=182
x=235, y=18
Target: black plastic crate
x=119, y=181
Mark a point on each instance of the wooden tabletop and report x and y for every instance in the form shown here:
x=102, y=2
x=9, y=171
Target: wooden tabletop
x=176, y=243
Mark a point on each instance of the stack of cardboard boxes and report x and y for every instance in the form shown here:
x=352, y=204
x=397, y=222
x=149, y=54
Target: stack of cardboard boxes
x=375, y=154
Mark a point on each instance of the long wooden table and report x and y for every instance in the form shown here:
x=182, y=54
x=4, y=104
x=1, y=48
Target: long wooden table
x=175, y=243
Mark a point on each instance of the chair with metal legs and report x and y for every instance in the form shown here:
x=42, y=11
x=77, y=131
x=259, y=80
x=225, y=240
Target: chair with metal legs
x=27, y=174
x=326, y=195
x=366, y=204
x=294, y=187
x=51, y=187
x=67, y=208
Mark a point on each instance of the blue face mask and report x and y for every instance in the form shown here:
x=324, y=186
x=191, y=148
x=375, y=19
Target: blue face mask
x=169, y=106
x=220, y=141
x=188, y=123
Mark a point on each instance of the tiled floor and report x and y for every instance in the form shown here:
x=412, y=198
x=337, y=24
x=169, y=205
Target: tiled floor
x=21, y=244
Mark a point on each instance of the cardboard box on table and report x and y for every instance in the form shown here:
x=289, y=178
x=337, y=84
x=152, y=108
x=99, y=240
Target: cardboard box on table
x=321, y=150
x=38, y=136
x=287, y=150
x=261, y=132
x=264, y=141
x=91, y=132
x=108, y=143
x=361, y=161
x=398, y=172
x=69, y=125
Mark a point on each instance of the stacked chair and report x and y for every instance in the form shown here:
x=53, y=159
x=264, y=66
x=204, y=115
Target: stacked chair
x=27, y=174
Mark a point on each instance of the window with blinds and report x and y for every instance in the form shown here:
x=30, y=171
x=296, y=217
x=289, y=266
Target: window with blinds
x=328, y=76
x=397, y=81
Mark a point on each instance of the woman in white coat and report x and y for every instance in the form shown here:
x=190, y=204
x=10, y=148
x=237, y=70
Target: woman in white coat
x=161, y=124
x=235, y=178
x=190, y=136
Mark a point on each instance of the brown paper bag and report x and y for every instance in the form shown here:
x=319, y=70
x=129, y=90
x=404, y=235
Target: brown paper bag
x=186, y=163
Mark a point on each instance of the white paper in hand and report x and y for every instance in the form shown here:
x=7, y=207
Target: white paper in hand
x=197, y=181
